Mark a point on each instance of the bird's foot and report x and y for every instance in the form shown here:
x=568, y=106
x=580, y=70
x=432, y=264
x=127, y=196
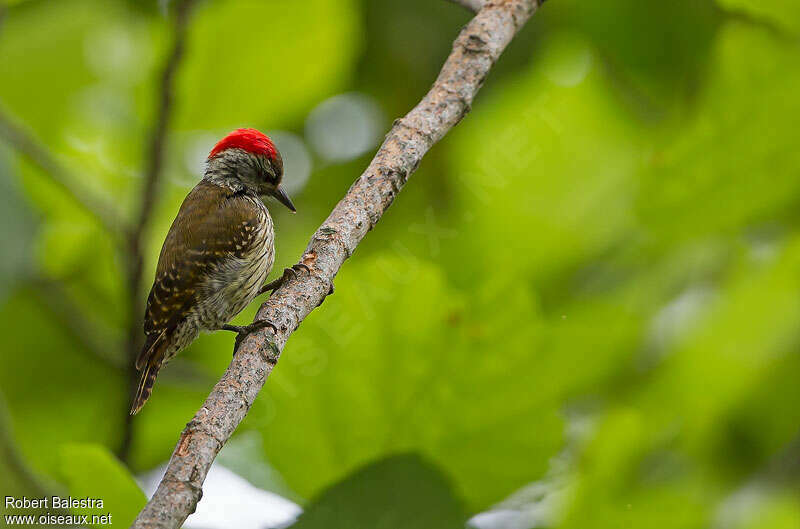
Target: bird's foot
x=244, y=330
x=288, y=273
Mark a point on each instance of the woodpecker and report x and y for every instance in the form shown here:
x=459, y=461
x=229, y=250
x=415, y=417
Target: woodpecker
x=217, y=253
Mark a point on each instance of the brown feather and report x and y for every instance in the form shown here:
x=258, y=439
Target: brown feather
x=214, y=224
x=146, y=382
x=153, y=340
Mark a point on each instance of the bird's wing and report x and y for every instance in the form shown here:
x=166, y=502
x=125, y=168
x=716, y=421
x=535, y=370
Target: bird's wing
x=213, y=224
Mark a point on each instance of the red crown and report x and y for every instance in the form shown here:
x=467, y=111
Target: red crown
x=250, y=140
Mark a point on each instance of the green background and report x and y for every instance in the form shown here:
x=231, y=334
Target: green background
x=592, y=284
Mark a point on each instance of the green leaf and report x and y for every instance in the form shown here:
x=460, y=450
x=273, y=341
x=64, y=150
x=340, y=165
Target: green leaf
x=378, y=370
x=654, y=52
x=546, y=168
x=709, y=179
x=399, y=492
x=610, y=220
x=16, y=477
x=251, y=62
x=729, y=354
x=91, y=471
x=628, y=477
x=103, y=54
x=83, y=399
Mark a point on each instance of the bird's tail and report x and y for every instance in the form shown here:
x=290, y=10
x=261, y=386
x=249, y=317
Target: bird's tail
x=145, y=388
x=149, y=363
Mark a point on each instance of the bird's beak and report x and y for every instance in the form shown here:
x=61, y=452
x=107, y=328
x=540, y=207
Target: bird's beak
x=281, y=196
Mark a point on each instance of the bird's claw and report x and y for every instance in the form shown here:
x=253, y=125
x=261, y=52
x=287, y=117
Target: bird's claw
x=301, y=265
x=243, y=330
x=294, y=270
x=288, y=273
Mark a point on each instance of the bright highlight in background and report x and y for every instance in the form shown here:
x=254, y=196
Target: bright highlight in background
x=344, y=126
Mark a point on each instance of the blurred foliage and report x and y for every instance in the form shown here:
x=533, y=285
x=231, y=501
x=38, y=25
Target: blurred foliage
x=84, y=466
x=443, y=392
x=611, y=234
x=275, y=68
x=399, y=491
x=783, y=13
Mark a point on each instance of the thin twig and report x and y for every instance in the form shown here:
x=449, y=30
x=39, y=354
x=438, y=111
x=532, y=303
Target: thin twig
x=3, y=14
x=24, y=142
x=54, y=298
x=158, y=138
x=13, y=459
x=155, y=165
x=474, y=53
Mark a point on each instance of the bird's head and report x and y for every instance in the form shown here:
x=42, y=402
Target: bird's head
x=247, y=158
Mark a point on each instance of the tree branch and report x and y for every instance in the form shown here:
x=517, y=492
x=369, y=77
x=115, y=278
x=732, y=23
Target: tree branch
x=24, y=142
x=155, y=165
x=474, y=53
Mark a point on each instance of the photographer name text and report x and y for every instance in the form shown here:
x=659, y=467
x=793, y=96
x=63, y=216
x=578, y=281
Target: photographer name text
x=52, y=503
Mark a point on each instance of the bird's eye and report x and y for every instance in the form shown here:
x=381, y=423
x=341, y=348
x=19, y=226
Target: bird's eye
x=272, y=174
x=265, y=170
